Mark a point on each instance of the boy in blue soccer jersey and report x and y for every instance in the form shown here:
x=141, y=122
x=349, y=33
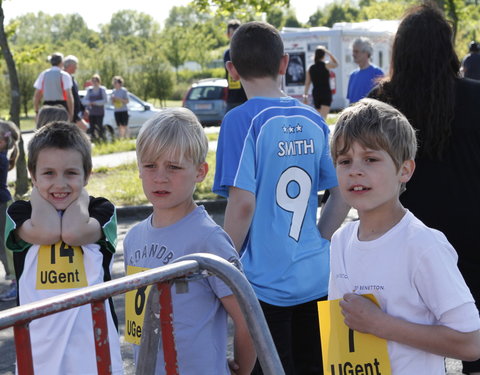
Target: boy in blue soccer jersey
x=272, y=159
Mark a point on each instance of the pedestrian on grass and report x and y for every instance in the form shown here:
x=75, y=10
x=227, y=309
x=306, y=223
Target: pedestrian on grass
x=120, y=100
x=95, y=99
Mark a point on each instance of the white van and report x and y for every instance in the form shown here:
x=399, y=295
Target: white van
x=300, y=44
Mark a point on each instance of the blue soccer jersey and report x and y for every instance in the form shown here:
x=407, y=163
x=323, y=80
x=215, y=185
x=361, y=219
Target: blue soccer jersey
x=277, y=148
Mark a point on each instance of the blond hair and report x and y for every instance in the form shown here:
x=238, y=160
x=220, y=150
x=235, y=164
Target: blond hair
x=375, y=125
x=175, y=132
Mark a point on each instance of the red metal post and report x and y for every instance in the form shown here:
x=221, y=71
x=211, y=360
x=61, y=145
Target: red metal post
x=23, y=347
x=100, y=334
x=166, y=324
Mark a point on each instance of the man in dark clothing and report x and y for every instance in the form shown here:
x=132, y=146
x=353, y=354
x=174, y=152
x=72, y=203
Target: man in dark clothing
x=236, y=94
x=471, y=62
x=70, y=65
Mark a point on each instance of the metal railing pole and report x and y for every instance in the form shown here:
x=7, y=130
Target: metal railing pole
x=23, y=347
x=166, y=324
x=100, y=335
x=20, y=316
x=264, y=345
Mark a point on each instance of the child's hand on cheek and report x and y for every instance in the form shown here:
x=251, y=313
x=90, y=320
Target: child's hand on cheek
x=44, y=226
x=38, y=202
x=35, y=197
x=80, y=205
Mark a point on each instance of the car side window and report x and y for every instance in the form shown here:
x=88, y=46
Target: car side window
x=134, y=104
x=205, y=93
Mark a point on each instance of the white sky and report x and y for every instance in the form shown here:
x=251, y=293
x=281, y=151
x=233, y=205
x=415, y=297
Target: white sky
x=96, y=12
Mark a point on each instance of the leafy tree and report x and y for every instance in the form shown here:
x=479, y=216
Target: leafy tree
x=201, y=37
x=276, y=17
x=291, y=19
x=22, y=179
x=157, y=77
x=28, y=67
x=234, y=5
x=32, y=29
x=130, y=23
x=41, y=28
x=316, y=18
x=385, y=10
x=186, y=16
x=176, y=46
x=337, y=12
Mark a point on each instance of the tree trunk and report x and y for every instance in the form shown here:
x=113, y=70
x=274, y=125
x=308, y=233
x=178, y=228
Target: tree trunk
x=21, y=186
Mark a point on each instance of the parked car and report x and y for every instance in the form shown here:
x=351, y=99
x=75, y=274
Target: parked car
x=139, y=111
x=208, y=100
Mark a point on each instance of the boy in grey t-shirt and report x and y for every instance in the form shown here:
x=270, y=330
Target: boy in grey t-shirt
x=171, y=152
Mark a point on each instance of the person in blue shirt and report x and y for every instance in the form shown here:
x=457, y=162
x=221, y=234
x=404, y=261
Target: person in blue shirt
x=362, y=79
x=272, y=160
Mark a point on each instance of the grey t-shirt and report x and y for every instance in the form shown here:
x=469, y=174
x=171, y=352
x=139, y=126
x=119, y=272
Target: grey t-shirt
x=121, y=93
x=199, y=319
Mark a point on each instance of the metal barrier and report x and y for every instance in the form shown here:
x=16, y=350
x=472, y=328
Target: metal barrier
x=20, y=317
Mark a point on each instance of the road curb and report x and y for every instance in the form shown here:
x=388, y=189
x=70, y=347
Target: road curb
x=125, y=213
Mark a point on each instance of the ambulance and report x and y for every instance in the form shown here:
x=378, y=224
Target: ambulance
x=300, y=44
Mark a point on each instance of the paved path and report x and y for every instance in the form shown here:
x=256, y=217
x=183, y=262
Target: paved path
x=112, y=160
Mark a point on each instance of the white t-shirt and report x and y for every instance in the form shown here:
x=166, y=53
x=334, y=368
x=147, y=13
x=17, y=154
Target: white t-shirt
x=412, y=271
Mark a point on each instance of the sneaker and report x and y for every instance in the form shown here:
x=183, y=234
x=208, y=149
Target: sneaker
x=9, y=293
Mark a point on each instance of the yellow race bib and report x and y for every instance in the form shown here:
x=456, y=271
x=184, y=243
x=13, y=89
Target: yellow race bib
x=135, y=302
x=346, y=351
x=117, y=103
x=232, y=84
x=60, y=266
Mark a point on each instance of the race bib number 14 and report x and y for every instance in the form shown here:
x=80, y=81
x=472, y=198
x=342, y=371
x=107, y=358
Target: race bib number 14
x=60, y=266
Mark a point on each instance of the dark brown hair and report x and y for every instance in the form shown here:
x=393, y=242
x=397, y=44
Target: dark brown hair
x=423, y=75
x=60, y=135
x=256, y=50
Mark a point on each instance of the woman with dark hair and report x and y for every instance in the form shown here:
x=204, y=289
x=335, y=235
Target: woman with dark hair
x=424, y=84
x=95, y=99
x=319, y=75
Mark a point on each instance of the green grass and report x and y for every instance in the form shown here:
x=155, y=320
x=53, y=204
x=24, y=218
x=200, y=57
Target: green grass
x=167, y=103
x=212, y=136
x=119, y=145
x=27, y=123
x=332, y=118
x=123, y=187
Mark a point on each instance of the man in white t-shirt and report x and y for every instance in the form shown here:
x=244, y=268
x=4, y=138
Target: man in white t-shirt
x=54, y=86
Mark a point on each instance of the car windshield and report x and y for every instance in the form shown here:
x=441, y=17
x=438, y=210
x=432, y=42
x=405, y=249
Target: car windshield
x=205, y=93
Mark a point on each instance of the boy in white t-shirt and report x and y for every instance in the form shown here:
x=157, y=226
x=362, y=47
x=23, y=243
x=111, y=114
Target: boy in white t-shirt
x=426, y=310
